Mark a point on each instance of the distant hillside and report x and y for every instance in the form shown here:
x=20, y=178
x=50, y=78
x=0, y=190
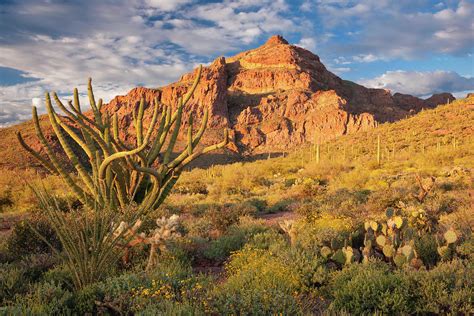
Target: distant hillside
x=424, y=141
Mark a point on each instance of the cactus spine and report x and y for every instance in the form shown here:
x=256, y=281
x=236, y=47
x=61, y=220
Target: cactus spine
x=116, y=174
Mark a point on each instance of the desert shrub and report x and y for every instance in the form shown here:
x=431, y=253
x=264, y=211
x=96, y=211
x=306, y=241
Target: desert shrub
x=234, y=239
x=5, y=255
x=222, y=217
x=427, y=249
x=114, y=291
x=280, y=206
x=45, y=298
x=192, y=187
x=369, y=288
x=466, y=249
x=257, y=285
x=446, y=289
x=259, y=204
x=59, y=275
x=12, y=281
x=269, y=240
x=172, y=281
x=220, y=249
x=6, y=200
x=308, y=266
x=311, y=237
x=24, y=240
x=85, y=298
x=169, y=308
x=198, y=227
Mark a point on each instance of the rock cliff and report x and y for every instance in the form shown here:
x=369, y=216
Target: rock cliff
x=276, y=97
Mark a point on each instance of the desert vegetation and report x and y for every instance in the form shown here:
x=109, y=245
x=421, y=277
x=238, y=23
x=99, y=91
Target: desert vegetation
x=378, y=222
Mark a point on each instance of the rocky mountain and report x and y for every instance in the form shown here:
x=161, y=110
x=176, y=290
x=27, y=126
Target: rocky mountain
x=279, y=96
x=272, y=98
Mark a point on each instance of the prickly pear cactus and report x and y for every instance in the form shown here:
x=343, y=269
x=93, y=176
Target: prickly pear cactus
x=389, y=239
x=447, y=251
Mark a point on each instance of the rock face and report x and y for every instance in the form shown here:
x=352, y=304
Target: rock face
x=276, y=97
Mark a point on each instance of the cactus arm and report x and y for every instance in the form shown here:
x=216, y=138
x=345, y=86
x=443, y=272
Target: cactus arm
x=174, y=135
x=80, y=118
x=189, y=147
x=166, y=129
x=124, y=154
x=74, y=136
x=97, y=114
x=166, y=190
x=156, y=179
x=81, y=195
x=154, y=119
x=38, y=157
x=99, y=104
x=193, y=87
x=139, y=122
x=77, y=104
x=115, y=127
x=65, y=145
x=205, y=150
x=156, y=147
x=190, y=136
x=201, y=130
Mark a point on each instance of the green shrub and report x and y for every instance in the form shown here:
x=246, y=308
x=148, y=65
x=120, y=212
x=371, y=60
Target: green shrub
x=257, y=285
x=310, y=237
x=85, y=298
x=59, y=275
x=12, y=281
x=446, y=289
x=6, y=200
x=234, y=239
x=24, y=240
x=466, y=249
x=221, y=248
x=45, y=298
x=427, y=250
x=280, y=206
x=308, y=266
x=269, y=240
x=369, y=288
x=167, y=308
x=222, y=217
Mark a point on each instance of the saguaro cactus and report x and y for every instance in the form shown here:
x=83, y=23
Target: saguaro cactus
x=117, y=174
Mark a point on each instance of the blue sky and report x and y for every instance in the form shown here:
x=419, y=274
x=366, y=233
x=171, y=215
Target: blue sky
x=410, y=46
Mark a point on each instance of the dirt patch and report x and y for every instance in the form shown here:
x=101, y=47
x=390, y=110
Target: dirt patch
x=275, y=218
x=8, y=221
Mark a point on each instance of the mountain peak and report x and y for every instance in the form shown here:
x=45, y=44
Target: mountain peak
x=275, y=40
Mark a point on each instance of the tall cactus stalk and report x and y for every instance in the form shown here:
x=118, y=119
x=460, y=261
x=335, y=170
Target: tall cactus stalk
x=378, y=150
x=318, y=154
x=116, y=174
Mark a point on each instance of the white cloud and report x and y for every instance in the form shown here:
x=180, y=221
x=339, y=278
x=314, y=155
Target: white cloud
x=401, y=29
x=421, y=83
x=166, y=5
x=120, y=44
x=308, y=42
x=366, y=58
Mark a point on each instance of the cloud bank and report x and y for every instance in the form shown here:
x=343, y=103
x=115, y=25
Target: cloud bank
x=421, y=83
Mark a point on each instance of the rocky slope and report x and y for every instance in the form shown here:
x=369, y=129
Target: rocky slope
x=276, y=97
x=273, y=98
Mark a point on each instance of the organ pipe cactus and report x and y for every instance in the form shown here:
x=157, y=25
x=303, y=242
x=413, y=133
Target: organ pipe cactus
x=117, y=174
